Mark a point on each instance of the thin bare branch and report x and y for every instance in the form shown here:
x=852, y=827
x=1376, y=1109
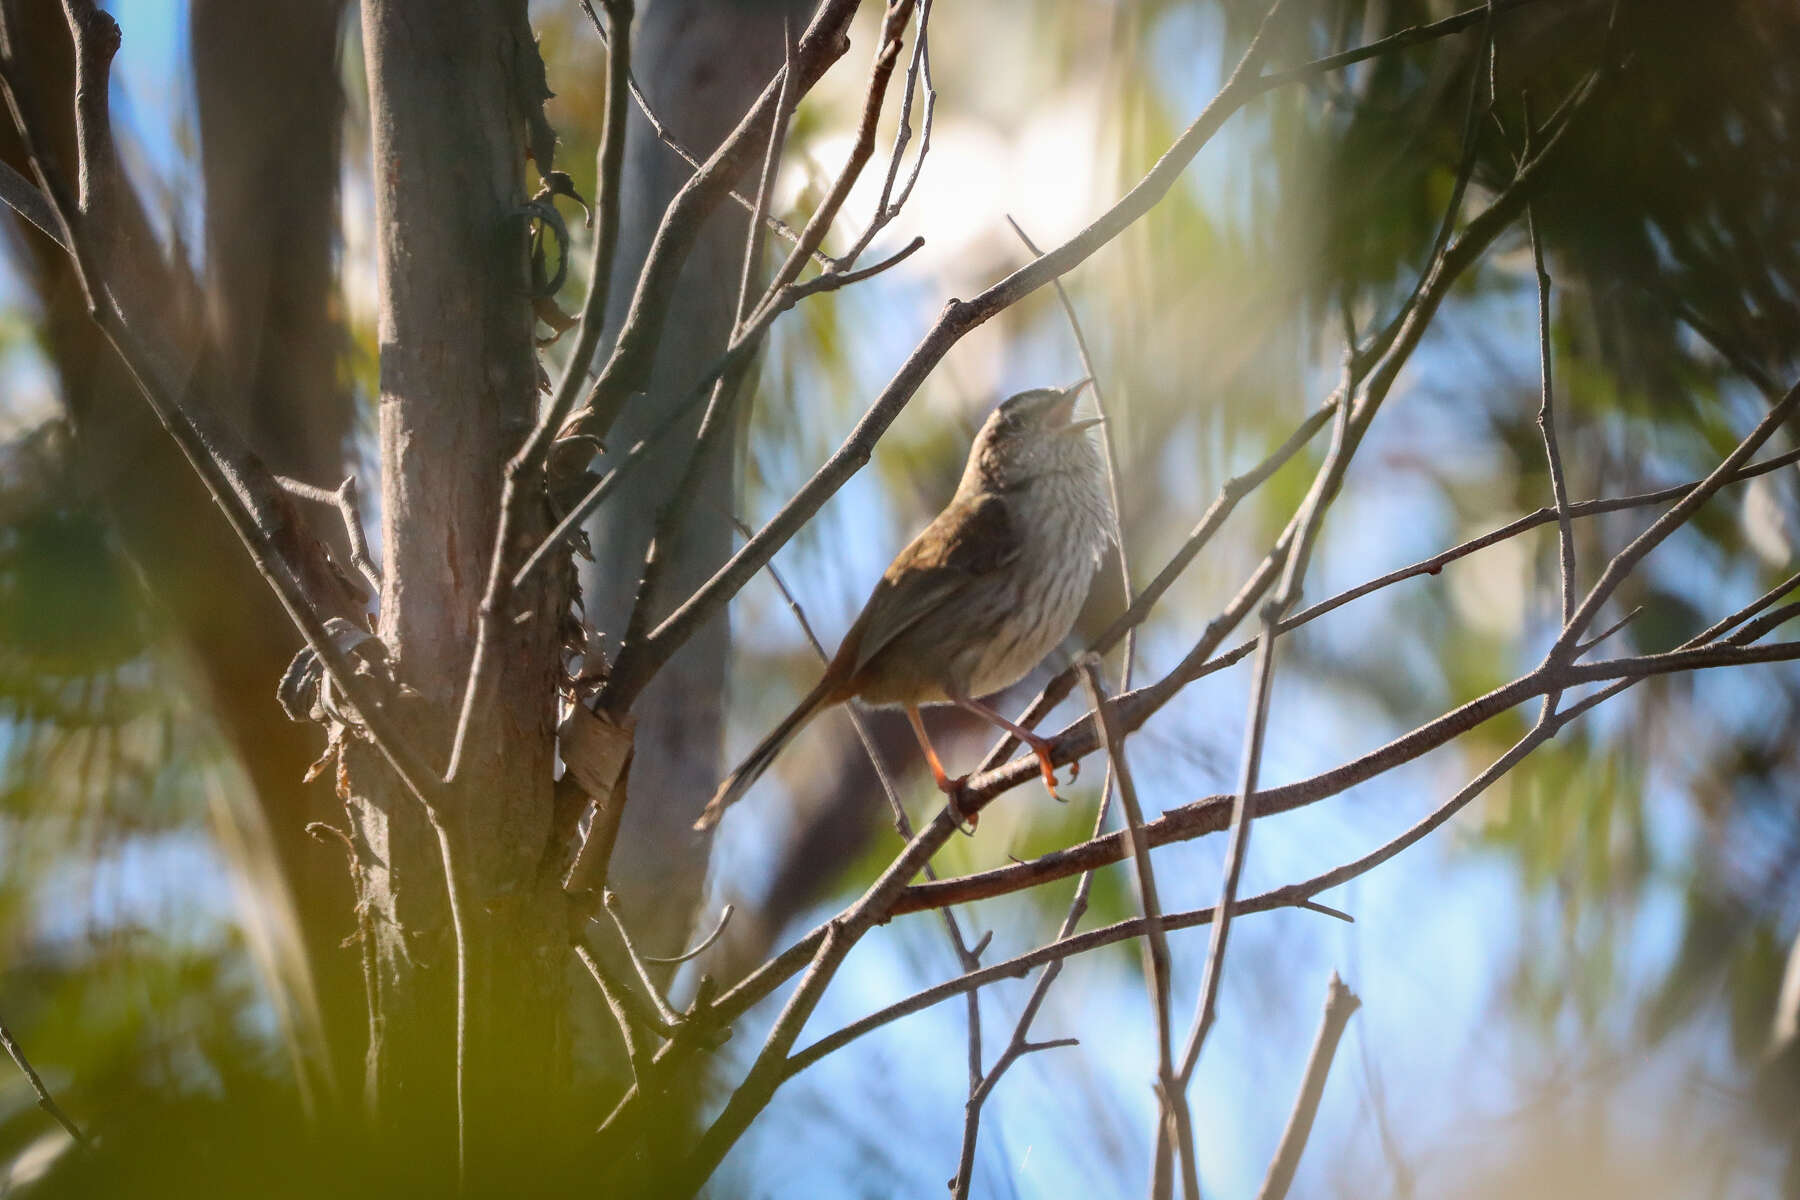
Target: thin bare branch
x=1171, y=1098
x=1310, y=517
x=888, y=206
x=1340, y=1003
x=667, y=137
x=628, y=366
x=629, y=1009
x=45, y=1100
x=1617, y=625
x=700, y=947
x=1546, y=419
x=1626, y=559
x=344, y=499
x=22, y=196
x=669, y=1016
x=887, y=54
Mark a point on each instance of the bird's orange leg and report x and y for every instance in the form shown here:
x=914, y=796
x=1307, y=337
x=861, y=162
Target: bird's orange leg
x=1040, y=746
x=950, y=787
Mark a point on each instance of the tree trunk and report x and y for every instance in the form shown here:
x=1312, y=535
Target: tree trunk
x=701, y=63
x=458, y=384
x=270, y=107
x=268, y=137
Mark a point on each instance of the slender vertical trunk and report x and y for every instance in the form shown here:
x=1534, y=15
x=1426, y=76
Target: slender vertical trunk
x=701, y=63
x=458, y=384
x=270, y=107
x=268, y=141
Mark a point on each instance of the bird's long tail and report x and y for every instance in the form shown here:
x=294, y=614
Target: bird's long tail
x=751, y=769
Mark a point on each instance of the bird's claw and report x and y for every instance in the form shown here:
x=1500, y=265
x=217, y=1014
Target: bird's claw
x=1047, y=769
x=953, y=790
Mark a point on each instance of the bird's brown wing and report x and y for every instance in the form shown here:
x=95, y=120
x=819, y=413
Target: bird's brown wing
x=972, y=537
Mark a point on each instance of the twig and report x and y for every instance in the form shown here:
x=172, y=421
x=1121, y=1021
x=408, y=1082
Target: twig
x=345, y=501
x=888, y=206
x=739, y=350
x=887, y=53
x=45, y=1100
x=670, y=1017
x=1171, y=1098
x=1617, y=625
x=1626, y=559
x=22, y=196
x=1757, y=628
x=1340, y=1003
x=628, y=366
x=700, y=947
x=1546, y=419
x=667, y=137
x=630, y=1008
x=1413, y=35
x=1310, y=517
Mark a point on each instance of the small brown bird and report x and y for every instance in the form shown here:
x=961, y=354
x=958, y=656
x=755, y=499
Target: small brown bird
x=981, y=595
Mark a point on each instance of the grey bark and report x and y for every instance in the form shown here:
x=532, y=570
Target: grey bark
x=701, y=63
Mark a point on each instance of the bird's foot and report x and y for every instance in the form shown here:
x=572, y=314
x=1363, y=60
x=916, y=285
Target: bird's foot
x=1041, y=748
x=953, y=793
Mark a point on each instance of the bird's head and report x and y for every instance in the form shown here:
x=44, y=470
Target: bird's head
x=1033, y=434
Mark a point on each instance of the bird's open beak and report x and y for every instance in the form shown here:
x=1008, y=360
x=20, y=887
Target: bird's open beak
x=1064, y=408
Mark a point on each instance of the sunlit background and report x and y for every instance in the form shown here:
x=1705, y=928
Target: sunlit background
x=1569, y=991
